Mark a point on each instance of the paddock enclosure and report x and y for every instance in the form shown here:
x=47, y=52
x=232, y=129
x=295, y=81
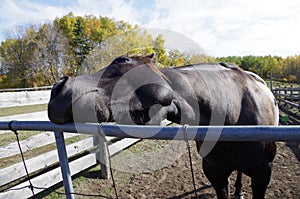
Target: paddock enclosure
x=85, y=153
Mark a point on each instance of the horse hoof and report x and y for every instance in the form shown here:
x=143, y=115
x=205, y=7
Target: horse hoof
x=238, y=197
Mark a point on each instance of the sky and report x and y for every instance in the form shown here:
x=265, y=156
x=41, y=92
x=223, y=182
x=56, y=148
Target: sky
x=220, y=27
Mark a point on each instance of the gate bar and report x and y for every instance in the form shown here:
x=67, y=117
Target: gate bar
x=289, y=133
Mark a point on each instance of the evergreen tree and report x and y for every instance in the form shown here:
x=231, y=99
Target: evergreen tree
x=81, y=45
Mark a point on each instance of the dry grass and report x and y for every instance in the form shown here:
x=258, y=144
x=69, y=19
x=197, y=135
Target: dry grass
x=22, y=109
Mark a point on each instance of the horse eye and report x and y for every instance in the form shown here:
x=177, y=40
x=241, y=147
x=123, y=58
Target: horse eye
x=128, y=60
x=120, y=60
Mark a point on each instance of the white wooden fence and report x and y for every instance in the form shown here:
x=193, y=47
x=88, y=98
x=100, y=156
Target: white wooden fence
x=21, y=98
x=288, y=95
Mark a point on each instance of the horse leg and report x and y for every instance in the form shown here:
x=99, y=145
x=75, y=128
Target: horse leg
x=238, y=186
x=260, y=181
x=218, y=178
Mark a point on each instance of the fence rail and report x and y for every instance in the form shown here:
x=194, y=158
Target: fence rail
x=288, y=96
x=26, y=89
x=291, y=88
x=210, y=133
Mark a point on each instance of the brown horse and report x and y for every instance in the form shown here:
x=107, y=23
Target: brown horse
x=131, y=90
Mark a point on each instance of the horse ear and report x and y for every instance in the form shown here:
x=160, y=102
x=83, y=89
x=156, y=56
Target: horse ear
x=152, y=58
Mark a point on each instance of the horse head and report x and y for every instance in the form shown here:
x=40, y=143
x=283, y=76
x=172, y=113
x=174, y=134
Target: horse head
x=129, y=91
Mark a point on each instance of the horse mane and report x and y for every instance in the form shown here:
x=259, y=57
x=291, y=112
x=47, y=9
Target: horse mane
x=229, y=65
x=154, y=68
x=251, y=74
x=256, y=77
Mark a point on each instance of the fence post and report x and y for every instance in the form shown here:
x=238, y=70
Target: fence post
x=103, y=156
x=299, y=99
x=278, y=92
x=96, y=144
x=64, y=164
x=285, y=95
x=292, y=93
x=271, y=82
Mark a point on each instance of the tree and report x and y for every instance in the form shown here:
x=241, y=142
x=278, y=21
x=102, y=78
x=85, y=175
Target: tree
x=16, y=52
x=80, y=44
x=66, y=25
x=177, y=58
x=132, y=42
x=196, y=58
x=85, y=35
x=50, y=55
x=158, y=47
x=291, y=68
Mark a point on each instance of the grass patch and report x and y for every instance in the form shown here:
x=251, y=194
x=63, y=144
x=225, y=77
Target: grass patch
x=22, y=109
x=10, y=137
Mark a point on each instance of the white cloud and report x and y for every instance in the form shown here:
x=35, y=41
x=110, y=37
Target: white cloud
x=117, y=9
x=15, y=13
x=234, y=27
x=221, y=27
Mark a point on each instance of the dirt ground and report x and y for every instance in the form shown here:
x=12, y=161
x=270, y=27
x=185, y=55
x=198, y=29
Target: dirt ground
x=161, y=169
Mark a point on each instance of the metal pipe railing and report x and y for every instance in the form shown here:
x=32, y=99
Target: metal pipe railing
x=222, y=133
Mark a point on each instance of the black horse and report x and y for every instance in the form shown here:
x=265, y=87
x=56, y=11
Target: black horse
x=131, y=90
